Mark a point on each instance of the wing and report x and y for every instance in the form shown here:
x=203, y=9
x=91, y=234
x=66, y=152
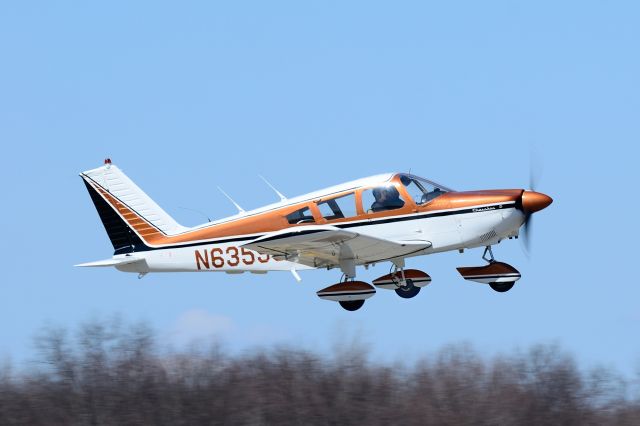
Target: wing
x=321, y=246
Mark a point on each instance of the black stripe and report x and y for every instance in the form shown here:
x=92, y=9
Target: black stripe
x=341, y=225
x=352, y=225
x=345, y=294
x=509, y=205
x=143, y=247
x=472, y=277
x=415, y=280
x=123, y=238
x=378, y=222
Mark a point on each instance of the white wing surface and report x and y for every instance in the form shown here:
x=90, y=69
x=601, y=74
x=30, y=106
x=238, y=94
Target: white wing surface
x=321, y=246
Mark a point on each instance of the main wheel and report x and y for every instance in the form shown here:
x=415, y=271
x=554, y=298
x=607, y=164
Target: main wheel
x=408, y=291
x=502, y=287
x=352, y=305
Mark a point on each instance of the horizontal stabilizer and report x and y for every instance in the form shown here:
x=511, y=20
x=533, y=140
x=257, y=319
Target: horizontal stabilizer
x=111, y=262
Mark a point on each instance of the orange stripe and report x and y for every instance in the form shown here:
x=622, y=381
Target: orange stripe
x=275, y=220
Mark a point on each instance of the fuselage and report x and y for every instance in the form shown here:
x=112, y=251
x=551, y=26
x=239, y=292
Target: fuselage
x=451, y=221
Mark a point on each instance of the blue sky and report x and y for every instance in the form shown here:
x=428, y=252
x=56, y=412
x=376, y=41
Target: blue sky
x=186, y=96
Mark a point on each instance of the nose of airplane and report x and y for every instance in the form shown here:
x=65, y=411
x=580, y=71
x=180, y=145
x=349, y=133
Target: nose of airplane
x=535, y=201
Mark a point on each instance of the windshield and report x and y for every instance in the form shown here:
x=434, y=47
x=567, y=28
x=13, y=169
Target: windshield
x=422, y=190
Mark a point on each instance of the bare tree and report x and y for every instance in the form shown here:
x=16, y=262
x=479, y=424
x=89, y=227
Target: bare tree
x=113, y=374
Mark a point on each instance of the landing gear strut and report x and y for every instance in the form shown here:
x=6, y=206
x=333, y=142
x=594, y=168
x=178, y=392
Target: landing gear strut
x=491, y=259
x=500, y=287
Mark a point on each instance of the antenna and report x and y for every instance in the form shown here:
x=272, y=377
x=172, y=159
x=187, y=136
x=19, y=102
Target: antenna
x=282, y=197
x=197, y=211
x=240, y=209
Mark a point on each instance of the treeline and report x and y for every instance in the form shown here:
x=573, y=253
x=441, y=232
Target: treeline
x=112, y=375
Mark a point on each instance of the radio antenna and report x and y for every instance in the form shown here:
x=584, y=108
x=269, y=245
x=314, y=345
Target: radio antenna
x=240, y=209
x=196, y=211
x=282, y=197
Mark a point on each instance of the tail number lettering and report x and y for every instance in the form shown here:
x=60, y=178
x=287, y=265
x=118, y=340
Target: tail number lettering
x=232, y=256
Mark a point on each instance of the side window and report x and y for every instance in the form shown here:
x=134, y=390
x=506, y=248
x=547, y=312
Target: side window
x=300, y=216
x=338, y=208
x=381, y=199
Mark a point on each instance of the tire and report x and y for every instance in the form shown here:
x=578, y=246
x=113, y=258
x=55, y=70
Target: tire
x=502, y=287
x=352, y=305
x=408, y=291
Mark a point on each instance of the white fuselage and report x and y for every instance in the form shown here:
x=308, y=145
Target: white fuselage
x=483, y=226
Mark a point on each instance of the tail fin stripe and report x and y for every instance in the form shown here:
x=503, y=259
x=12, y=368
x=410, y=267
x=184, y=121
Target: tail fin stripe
x=123, y=239
x=125, y=210
x=126, y=213
x=117, y=185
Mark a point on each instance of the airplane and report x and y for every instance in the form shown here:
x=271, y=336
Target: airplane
x=384, y=218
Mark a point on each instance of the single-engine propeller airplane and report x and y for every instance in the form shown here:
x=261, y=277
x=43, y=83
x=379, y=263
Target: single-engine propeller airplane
x=383, y=218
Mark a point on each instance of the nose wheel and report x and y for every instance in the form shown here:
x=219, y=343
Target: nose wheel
x=500, y=276
x=501, y=287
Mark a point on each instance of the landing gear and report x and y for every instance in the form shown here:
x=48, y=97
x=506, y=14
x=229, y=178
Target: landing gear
x=405, y=282
x=491, y=259
x=348, y=293
x=408, y=290
x=499, y=275
x=501, y=287
x=351, y=305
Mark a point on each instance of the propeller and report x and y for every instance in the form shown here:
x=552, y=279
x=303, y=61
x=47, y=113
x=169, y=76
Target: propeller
x=535, y=170
x=526, y=235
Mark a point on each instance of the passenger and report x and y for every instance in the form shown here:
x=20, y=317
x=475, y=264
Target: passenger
x=387, y=198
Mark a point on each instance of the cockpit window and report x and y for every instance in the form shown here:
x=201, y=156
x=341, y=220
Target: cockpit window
x=300, y=216
x=421, y=191
x=338, y=208
x=381, y=198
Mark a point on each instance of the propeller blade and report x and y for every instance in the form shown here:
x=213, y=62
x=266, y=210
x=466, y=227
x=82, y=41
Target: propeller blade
x=526, y=234
x=535, y=170
x=533, y=181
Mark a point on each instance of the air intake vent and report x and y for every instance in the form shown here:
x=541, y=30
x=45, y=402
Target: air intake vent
x=488, y=236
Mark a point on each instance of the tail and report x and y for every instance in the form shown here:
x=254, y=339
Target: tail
x=133, y=221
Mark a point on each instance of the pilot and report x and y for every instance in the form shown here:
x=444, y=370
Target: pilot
x=431, y=195
x=387, y=198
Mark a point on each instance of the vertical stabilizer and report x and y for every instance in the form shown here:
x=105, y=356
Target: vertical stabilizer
x=130, y=216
